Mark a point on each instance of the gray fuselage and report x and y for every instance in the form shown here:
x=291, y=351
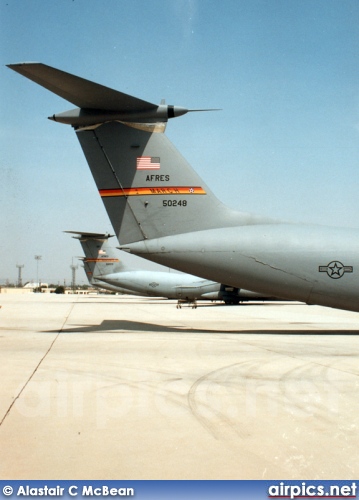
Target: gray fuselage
x=313, y=264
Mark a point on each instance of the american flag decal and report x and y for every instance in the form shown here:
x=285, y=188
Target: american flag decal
x=148, y=163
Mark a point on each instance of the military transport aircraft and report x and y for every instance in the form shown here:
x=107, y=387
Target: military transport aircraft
x=162, y=210
x=105, y=270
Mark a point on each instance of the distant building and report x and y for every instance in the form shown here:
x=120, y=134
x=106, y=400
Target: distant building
x=32, y=284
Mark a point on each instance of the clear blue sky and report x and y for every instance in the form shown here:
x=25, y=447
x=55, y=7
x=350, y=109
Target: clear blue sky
x=285, y=73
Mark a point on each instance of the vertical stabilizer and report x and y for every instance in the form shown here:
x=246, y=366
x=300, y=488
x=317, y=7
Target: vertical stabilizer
x=100, y=257
x=148, y=188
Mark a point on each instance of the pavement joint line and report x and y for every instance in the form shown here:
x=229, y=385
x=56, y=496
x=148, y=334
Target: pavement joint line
x=38, y=365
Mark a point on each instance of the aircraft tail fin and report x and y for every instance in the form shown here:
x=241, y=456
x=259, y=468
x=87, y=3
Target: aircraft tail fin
x=148, y=188
x=100, y=258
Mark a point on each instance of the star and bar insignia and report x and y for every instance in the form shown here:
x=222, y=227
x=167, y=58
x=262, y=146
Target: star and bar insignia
x=335, y=269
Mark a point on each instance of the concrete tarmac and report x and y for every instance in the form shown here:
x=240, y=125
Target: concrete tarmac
x=120, y=387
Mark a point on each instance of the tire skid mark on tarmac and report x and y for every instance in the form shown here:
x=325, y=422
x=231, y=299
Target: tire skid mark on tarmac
x=308, y=390
x=353, y=371
x=298, y=357
x=172, y=397
x=217, y=422
x=316, y=396
x=179, y=398
x=154, y=386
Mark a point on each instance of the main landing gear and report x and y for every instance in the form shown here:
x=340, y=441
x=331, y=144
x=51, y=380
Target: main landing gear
x=191, y=303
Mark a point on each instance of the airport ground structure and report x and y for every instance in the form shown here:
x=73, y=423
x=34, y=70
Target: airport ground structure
x=45, y=288
x=108, y=387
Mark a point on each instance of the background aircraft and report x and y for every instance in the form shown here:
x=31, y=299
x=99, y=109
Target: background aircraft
x=162, y=210
x=105, y=270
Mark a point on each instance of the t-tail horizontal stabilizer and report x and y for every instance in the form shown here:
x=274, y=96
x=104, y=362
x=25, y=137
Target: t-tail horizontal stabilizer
x=95, y=236
x=96, y=103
